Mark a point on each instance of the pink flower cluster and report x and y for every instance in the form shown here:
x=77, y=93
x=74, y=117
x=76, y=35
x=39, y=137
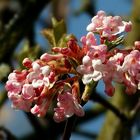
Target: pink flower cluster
x=108, y=26
x=121, y=66
x=35, y=88
x=55, y=77
x=28, y=87
x=67, y=105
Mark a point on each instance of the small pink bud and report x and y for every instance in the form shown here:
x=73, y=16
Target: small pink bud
x=91, y=40
x=45, y=70
x=51, y=77
x=27, y=63
x=83, y=40
x=46, y=57
x=73, y=46
x=35, y=66
x=65, y=51
x=109, y=90
x=128, y=27
x=59, y=115
x=86, y=60
x=101, y=13
x=28, y=91
x=49, y=57
x=137, y=45
x=91, y=27
x=56, y=49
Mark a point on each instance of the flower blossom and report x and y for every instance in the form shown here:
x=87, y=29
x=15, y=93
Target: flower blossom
x=121, y=67
x=131, y=68
x=67, y=105
x=99, y=63
x=71, y=50
x=55, y=77
x=108, y=26
x=96, y=55
x=30, y=87
x=34, y=88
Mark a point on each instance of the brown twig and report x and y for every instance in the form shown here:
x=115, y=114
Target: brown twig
x=135, y=111
x=69, y=127
x=98, y=98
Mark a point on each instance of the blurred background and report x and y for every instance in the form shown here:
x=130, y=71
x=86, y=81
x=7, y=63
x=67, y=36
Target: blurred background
x=21, y=22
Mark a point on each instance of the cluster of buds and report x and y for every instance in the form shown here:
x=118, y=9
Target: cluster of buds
x=107, y=63
x=46, y=81
x=108, y=27
x=54, y=78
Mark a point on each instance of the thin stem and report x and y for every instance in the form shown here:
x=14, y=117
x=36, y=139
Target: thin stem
x=135, y=111
x=69, y=127
x=96, y=97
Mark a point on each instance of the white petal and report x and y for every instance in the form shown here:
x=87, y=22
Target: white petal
x=96, y=62
x=32, y=75
x=45, y=70
x=37, y=83
x=86, y=60
x=97, y=75
x=87, y=78
x=35, y=66
x=90, y=27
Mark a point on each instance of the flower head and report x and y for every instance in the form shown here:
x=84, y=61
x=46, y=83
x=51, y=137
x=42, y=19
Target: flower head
x=56, y=77
x=108, y=26
x=67, y=105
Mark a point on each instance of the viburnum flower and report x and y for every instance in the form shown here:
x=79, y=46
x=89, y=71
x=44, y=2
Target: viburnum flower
x=67, y=105
x=33, y=89
x=108, y=26
x=29, y=87
x=121, y=67
x=131, y=68
x=14, y=85
x=100, y=62
x=95, y=56
x=71, y=50
x=56, y=77
x=132, y=63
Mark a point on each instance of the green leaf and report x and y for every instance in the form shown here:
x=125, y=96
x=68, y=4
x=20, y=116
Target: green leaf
x=111, y=45
x=59, y=29
x=48, y=34
x=56, y=35
x=54, y=22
